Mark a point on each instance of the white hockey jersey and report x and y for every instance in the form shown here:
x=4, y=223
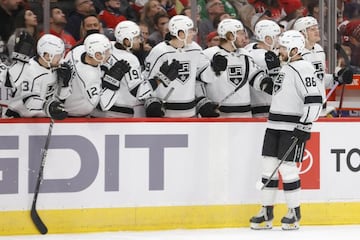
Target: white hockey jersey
x=260, y=100
x=33, y=84
x=181, y=100
x=121, y=103
x=317, y=57
x=85, y=84
x=296, y=96
x=221, y=89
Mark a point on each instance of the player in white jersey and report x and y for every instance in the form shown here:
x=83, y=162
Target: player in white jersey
x=86, y=82
x=262, y=51
x=121, y=100
x=177, y=98
x=296, y=104
x=36, y=92
x=315, y=54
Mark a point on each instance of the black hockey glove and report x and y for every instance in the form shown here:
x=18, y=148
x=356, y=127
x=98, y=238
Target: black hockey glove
x=344, y=76
x=267, y=85
x=24, y=47
x=302, y=132
x=206, y=108
x=219, y=63
x=169, y=73
x=272, y=63
x=154, y=107
x=55, y=110
x=112, y=78
x=64, y=74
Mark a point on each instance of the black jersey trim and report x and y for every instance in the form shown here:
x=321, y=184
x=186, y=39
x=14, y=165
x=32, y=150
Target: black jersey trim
x=235, y=109
x=260, y=109
x=313, y=99
x=292, y=186
x=180, y=106
x=283, y=118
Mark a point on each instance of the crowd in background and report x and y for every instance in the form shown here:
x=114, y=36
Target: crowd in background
x=72, y=21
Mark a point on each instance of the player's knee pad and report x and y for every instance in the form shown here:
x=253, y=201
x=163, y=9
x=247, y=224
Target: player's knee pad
x=154, y=107
x=269, y=165
x=289, y=172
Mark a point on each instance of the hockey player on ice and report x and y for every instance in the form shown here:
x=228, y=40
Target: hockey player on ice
x=176, y=96
x=121, y=97
x=86, y=81
x=315, y=54
x=262, y=51
x=296, y=104
x=37, y=88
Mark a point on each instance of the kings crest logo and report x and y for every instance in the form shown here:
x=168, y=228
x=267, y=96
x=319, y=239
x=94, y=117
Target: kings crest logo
x=184, y=71
x=319, y=70
x=278, y=82
x=236, y=75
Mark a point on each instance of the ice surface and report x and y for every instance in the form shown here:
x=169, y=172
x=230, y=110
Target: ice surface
x=344, y=232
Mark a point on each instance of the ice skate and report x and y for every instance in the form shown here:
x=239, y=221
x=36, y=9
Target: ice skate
x=291, y=220
x=264, y=218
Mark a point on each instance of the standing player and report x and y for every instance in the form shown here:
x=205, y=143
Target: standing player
x=233, y=69
x=262, y=51
x=120, y=98
x=36, y=89
x=176, y=96
x=86, y=82
x=315, y=54
x=296, y=104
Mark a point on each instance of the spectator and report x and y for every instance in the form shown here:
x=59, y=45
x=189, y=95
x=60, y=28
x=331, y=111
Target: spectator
x=245, y=15
x=111, y=15
x=82, y=9
x=128, y=11
x=214, y=8
x=90, y=24
x=212, y=39
x=8, y=9
x=151, y=8
x=25, y=20
x=351, y=33
x=145, y=46
x=293, y=9
x=228, y=8
x=161, y=21
x=57, y=24
x=272, y=5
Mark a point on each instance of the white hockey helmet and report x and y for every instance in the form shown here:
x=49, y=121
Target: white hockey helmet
x=180, y=23
x=126, y=30
x=265, y=28
x=292, y=39
x=98, y=43
x=52, y=45
x=303, y=23
x=229, y=25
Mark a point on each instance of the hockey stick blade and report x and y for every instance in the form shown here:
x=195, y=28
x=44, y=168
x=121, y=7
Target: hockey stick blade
x=260, y=185
x=37, y=220
x=33, y=213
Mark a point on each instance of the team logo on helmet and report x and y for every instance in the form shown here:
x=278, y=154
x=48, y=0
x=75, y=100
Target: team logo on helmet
x=184, y=71
x=278, y=82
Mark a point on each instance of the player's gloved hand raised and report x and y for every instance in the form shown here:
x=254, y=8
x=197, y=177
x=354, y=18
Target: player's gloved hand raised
x=169, y=73
x=272, y=63
x=219, y=63
x=302, y=132
x=24, y=47
x=64, y=74
x=206, y=108
x=344, y=76
x=112, y=77
x=267, y=85
x=154, y=107
x=55, y=110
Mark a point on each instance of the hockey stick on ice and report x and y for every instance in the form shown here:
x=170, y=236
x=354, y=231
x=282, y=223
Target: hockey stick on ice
x=261, y=185
x=347, y=63
x=34, y=214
